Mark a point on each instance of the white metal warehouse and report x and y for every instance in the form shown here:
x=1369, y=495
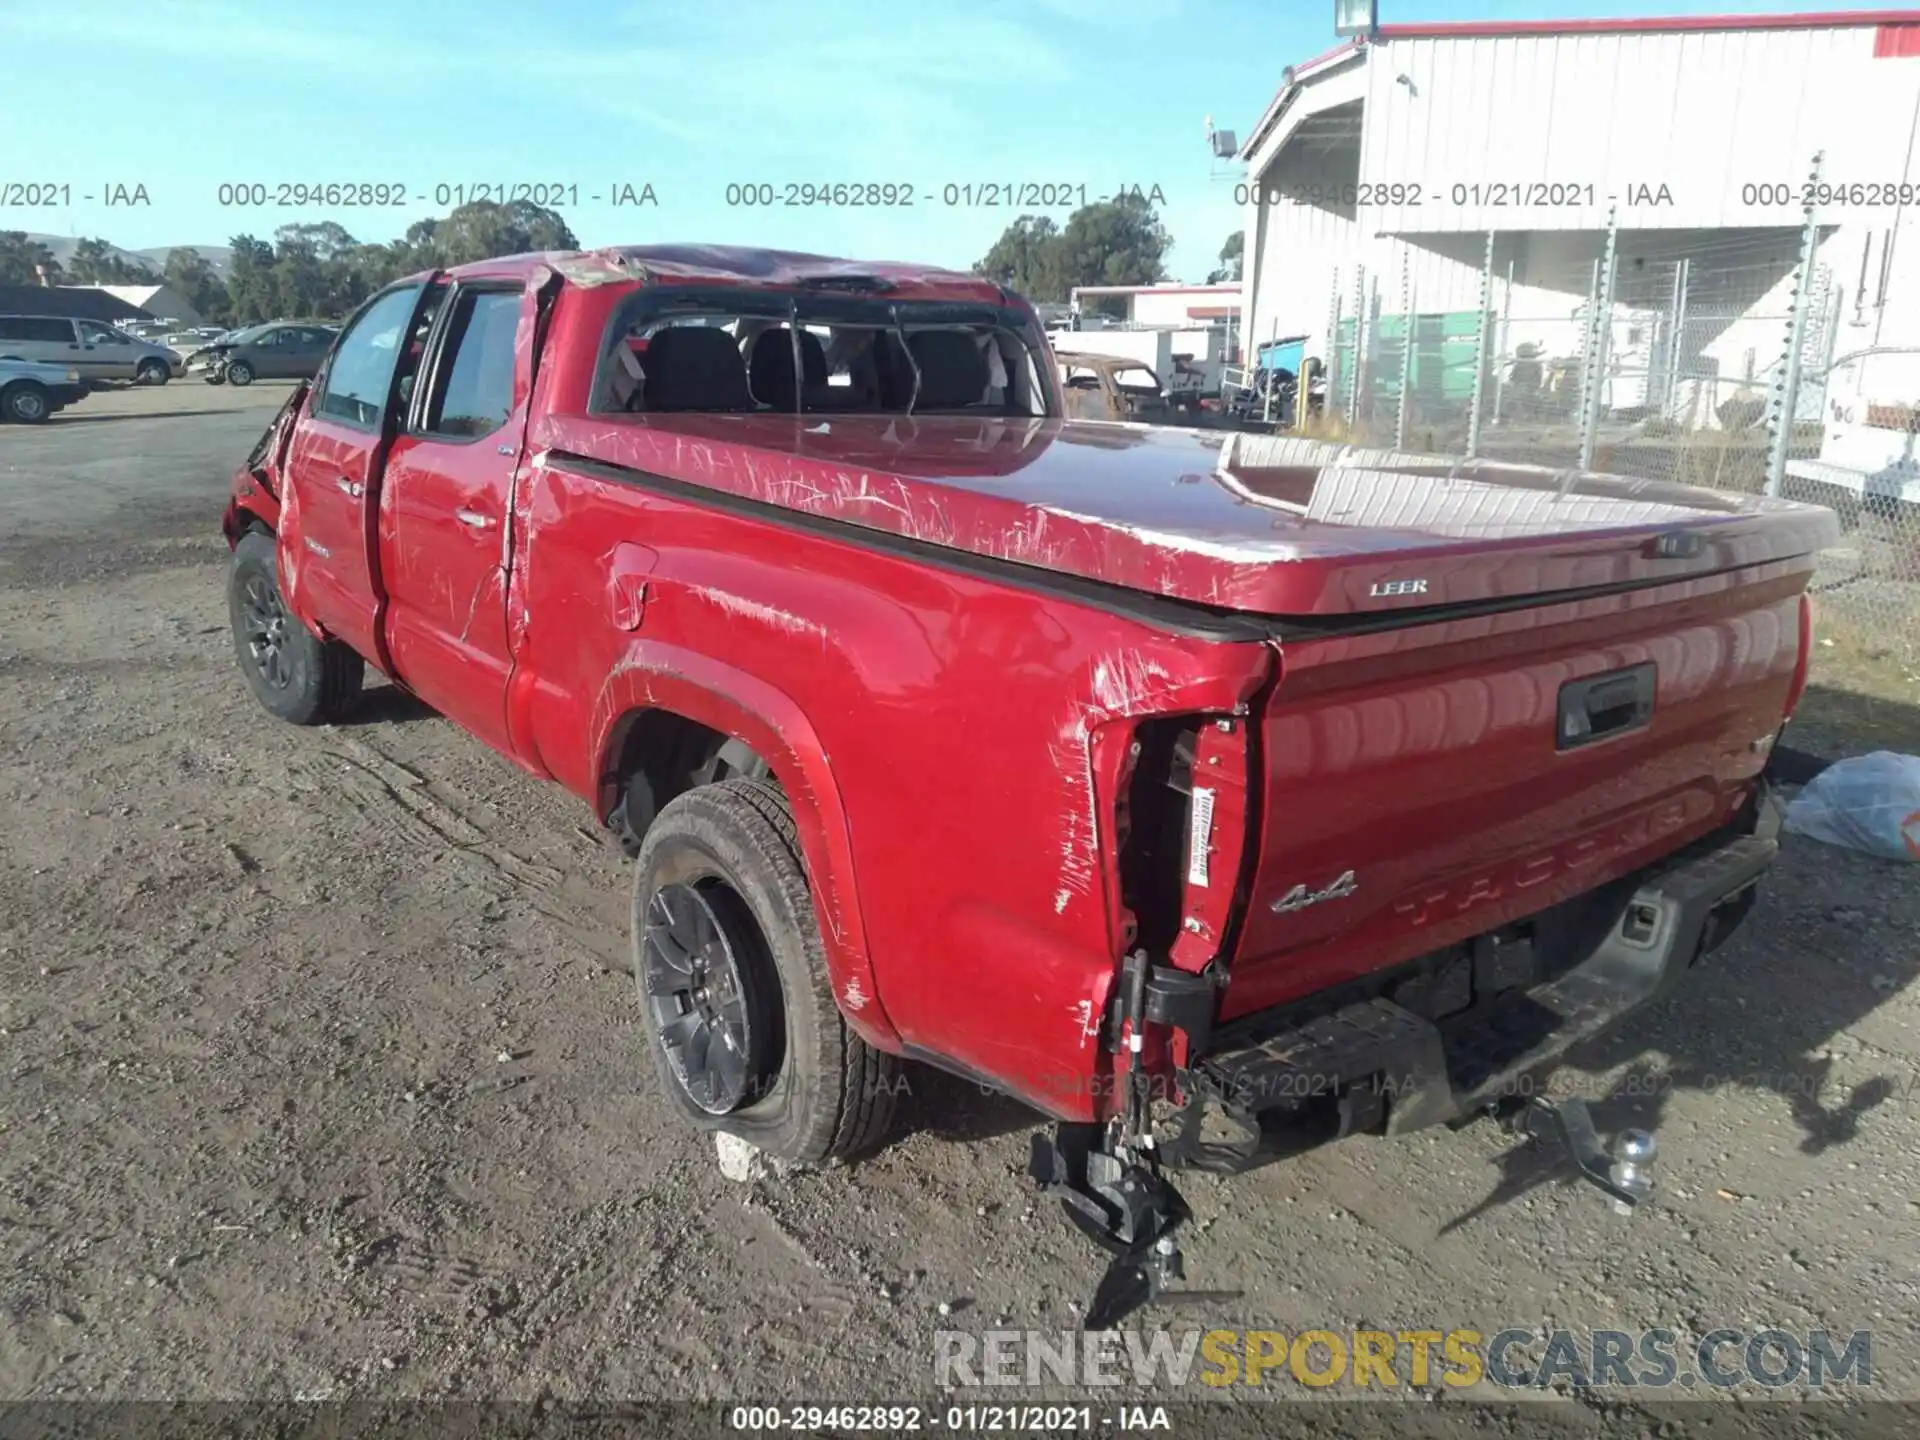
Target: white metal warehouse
x=1377, y=172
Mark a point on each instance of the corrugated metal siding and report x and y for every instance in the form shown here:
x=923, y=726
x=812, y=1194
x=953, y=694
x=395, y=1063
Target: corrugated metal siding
x=1703, y=113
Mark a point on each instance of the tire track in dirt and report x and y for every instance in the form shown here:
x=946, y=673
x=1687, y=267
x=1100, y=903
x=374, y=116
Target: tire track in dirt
x=421, y=817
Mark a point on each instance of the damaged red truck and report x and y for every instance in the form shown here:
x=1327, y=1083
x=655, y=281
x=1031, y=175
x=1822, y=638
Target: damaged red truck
x=1209, y=793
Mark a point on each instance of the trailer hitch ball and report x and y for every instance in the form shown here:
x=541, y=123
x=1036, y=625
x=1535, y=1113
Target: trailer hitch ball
x=1633, y=1156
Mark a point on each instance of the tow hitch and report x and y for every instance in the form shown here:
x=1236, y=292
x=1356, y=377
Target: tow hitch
x=1621, y=1175
x=1108, y=1179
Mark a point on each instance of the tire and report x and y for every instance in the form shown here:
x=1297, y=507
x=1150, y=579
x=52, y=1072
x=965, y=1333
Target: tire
x=152, y=372
x=294, y=674
x=239, y=372
x=813, y=1090
x=25, y=402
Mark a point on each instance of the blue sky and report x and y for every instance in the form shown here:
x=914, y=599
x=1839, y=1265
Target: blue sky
x=182, y=95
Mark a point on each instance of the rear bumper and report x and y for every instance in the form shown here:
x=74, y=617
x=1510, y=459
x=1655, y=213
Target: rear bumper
x=1374, y=1064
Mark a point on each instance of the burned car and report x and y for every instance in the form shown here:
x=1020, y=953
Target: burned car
x=1110, y=387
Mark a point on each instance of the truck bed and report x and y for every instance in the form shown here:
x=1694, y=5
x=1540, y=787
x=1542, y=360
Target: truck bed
x=1265, y=525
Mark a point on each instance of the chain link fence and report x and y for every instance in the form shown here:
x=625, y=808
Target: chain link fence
x=1725, y=359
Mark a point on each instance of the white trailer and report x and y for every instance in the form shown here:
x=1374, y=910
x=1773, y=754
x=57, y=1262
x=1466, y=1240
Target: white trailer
x=1870, y=434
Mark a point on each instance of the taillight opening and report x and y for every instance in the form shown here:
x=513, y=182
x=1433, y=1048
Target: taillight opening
x=1801, y=666
x=1154, y=820
x=1183, y=836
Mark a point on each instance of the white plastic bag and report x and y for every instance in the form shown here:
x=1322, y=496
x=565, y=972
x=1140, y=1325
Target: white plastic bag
x=1868, y=802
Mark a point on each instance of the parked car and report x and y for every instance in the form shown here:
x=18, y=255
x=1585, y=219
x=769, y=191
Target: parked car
x=31, y=391
x=1201, y=796
x=275, y=351
x=98, y=351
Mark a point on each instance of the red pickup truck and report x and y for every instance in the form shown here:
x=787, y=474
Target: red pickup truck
x=1206, y=791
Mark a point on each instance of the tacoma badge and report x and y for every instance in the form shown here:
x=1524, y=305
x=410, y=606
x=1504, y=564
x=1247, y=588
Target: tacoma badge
x=1300, y=897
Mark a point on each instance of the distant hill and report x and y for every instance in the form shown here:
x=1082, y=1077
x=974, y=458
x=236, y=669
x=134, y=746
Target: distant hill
x=154, y=257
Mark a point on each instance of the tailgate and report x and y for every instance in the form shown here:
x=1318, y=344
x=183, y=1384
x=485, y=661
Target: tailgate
x=1427, y=784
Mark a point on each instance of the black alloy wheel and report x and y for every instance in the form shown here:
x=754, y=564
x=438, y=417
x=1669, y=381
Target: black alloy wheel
x=700, y=952
x=264, y=628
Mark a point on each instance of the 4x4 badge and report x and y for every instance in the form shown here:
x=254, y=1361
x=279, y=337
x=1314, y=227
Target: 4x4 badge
x=1300, y=897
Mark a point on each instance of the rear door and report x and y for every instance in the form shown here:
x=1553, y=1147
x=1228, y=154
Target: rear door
x=271, y=353
x=444, y=502
x=327, y=529
x=105, y=354
x=309, y=351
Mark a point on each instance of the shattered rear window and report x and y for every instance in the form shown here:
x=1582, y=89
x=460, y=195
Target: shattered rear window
x=818, y=355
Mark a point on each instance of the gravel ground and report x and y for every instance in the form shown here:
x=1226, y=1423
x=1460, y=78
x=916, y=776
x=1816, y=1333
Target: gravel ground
x=324, y=1075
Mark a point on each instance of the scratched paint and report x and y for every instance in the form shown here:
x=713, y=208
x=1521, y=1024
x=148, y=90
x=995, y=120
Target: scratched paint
x=1087, y=1019
x=742, y=608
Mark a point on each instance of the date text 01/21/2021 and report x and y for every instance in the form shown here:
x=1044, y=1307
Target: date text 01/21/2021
x=903, y=194
x=378, y=194
x=970, y=1419
x=1489, y=194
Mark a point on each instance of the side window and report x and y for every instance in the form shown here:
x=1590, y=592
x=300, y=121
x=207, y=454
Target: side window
x=474, y=395
x=93, y=333
x=362, y=368
x=40, y=327
x=14, y=327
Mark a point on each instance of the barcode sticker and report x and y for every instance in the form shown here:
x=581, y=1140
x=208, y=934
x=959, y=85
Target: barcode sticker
x=1200, y=838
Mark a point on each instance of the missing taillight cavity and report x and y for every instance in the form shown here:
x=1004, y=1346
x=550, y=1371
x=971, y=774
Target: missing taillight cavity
x=1798, y=686
x=1184, y=836
x=1158, y=816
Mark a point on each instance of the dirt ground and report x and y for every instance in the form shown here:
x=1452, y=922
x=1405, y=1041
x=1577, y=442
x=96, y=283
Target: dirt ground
x=324, y=1072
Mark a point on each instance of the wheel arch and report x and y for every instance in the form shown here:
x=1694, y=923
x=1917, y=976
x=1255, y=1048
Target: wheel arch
x=26, y=382
x=240, y=519
x=653, y=679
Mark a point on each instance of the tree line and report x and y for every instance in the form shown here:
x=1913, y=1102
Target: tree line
x=320, y=271
x=313, y=271
x=1112, y=242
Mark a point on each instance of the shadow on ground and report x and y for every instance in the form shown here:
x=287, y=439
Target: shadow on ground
x=1827, y=946
x=387, y=705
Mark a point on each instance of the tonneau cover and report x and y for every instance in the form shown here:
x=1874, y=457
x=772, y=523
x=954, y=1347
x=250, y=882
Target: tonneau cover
x=1266, y=524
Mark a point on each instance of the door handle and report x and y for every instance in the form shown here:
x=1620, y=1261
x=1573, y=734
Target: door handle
x=473, y=519
x=352, y=489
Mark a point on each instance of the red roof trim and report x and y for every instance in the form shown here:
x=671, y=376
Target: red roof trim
x=1327, y=57
x=1895, y=42
x=1467, y=29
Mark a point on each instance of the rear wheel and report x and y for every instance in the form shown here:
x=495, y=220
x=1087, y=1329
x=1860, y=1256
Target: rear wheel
x=743, y=1026
x=239, y=372
x=292, y=672
x=25, y=402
